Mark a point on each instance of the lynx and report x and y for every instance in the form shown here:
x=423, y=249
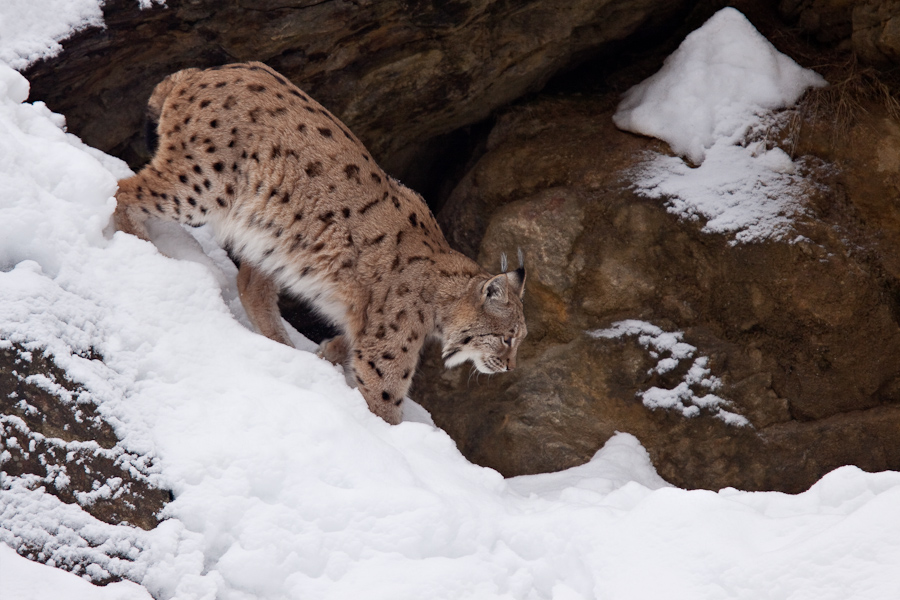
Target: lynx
x=305, y=209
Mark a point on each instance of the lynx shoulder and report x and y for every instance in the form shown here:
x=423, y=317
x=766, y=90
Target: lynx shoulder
x=302, y=204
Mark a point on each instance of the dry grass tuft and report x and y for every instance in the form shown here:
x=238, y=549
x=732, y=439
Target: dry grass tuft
x=852, y=88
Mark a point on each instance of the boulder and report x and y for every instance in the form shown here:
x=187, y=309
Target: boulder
x=800, y=338
x=876, y=31
x=829, y=21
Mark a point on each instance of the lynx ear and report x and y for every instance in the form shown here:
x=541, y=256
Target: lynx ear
x=517, y=281
x=495, y=289
x=517, y=277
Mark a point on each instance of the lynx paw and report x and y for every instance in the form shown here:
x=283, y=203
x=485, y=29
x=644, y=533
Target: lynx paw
x=334, y=350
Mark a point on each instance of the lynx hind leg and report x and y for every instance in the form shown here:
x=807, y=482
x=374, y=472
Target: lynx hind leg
x=259, y=295
x=384, y=374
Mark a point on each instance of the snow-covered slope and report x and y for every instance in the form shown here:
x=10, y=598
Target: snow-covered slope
x=287, y=487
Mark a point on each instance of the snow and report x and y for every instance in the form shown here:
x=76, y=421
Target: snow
x=713, y=102
x=31, y=30
x=286, y=486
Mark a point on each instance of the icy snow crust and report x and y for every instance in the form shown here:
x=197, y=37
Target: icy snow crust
x=286, y=486
x=712, y=102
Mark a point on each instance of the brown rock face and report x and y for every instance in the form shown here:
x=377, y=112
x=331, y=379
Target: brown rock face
x=398, y=73
x=830, y=21
x=803, y=336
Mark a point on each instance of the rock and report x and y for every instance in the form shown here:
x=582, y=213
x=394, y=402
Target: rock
x=802, y=337
x=871, y=29
x=398, y=74
x=829, y=21
x=876, y=31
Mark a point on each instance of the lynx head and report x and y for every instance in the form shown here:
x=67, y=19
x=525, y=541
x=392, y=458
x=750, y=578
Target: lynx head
x=489, y=324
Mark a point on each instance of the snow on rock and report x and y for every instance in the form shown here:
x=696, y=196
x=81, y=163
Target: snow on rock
x=669, y=349
x=621, y=463
x=286, y=486
x=712, y=102
x=748, y=191
x=45, y=529
x=31, y=30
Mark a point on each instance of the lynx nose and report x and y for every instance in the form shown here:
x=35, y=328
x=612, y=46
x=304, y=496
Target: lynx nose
x=510, y=363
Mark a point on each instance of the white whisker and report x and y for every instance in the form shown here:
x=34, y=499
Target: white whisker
x=472, y=372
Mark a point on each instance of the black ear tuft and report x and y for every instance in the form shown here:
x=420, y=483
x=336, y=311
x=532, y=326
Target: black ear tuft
x=517, y=277
x=517, y=281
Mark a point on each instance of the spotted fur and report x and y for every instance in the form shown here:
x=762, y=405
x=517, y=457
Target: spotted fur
x=302, y=204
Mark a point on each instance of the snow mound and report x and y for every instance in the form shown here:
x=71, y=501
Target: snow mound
x=712, y=102
x=720, y=77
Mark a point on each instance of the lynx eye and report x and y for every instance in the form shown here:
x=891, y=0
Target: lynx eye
x=508, y=341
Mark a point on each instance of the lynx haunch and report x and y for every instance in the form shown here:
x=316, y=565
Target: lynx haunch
x=305, y=209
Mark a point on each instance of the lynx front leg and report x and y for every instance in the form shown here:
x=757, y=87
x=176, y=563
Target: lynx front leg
x=259, y=295
x=384, y=372
x=132, y=210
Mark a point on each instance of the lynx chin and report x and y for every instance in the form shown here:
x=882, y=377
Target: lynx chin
x=306, y=210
